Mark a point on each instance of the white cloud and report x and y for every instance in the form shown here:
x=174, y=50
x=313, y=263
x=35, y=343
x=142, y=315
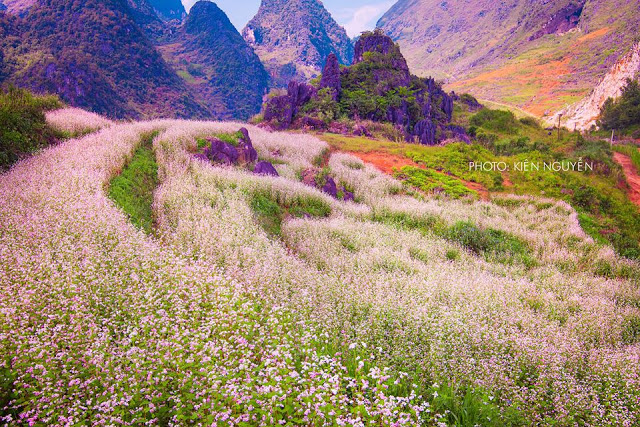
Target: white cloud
x=365, y=17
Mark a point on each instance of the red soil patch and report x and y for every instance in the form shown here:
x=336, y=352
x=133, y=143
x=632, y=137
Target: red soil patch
x=384, y=161
x=506, y=181
x=594, y=35
x=632, y=176
x=388, y=162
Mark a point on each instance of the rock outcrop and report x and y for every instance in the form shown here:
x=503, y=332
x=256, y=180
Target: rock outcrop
x=281, y=110
x=293, y=38
x=265, y=168
x=583, y=115
x=562, y=21
x=331, y=76
x=222, y=152
x=377, y=87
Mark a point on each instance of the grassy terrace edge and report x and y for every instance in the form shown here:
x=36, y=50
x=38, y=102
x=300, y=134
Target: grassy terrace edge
x=132, y=190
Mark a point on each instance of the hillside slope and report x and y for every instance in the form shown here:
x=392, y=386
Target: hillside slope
x=393, y=309
x=294, y=37
x=534, y=54
x=94, y=56
x=216, y=63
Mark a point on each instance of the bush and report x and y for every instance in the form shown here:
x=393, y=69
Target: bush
x=495, y=120
x=23, y=126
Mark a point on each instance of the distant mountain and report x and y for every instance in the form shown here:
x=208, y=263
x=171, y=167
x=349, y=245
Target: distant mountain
x=294, y=37
x=169, y=10
x=538, y=55
x=94, y=56
x=216, y=62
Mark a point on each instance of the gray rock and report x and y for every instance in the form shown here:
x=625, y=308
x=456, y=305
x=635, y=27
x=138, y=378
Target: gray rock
x=330, y=187
x=222, y=152
x=265, y=168
x=246, y=153
x=331, y=76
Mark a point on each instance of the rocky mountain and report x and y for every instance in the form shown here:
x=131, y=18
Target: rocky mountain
x=94, y=56
x=538, y=55
x=216, y=63
x=294, y=37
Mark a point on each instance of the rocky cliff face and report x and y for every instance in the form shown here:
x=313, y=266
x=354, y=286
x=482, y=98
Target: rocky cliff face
x=16, y=6
x=583, y=114
x=538, y=55
x=94, y=56
x=294, y=37
x=217, y=63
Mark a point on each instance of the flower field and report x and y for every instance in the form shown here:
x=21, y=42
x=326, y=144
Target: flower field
x=396, y=309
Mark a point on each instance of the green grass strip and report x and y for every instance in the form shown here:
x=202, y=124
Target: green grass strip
x=132, y=190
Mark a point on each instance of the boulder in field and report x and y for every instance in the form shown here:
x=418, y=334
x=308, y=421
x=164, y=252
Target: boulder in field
x=330, y=187
x=246, y=153
x=265, y=168
x=222, y=152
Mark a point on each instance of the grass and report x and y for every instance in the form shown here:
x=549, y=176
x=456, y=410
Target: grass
x=132, y=190
x=23, y=126
x=271, y=213
x=230, y=138
x=494, y=245
x=434, y=182
x=604, y=209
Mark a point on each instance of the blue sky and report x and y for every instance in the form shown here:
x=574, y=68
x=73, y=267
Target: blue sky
x=355, y=15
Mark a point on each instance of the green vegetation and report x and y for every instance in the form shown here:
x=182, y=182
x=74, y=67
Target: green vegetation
x=271, y=212
x=604, y=210
x=623, y=113
x=431, y=181
x=494, y=245
x=232, y=138
x=23, y=126
x=132, y=190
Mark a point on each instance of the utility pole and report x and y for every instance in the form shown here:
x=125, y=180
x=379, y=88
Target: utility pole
x=559, y=117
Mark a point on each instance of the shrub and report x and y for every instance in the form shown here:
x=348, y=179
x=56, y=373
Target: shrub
x=495, y=120
x=23, y=126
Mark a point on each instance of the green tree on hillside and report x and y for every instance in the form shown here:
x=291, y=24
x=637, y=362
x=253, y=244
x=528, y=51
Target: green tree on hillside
x=623, y=112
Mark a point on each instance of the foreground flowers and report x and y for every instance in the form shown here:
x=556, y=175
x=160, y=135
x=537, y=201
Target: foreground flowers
x=346, y=320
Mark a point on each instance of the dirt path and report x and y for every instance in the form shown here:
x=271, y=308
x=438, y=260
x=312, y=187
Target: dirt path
x=387, y=162
x=632, y=176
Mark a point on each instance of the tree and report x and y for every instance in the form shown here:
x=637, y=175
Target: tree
x=624, y=112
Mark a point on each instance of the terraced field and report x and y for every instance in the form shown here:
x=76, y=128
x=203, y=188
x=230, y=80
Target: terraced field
x=256, y=300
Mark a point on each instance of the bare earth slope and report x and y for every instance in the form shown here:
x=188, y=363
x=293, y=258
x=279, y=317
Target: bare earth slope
x=534, y=54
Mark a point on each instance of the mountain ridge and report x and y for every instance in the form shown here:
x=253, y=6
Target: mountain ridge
x=293, y=38
x=536, y=55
